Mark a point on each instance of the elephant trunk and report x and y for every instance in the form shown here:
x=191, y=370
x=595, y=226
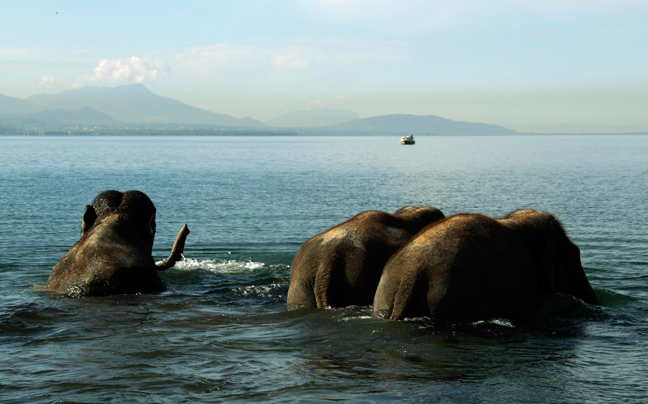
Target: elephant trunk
x=176, y=251
x=582, y=289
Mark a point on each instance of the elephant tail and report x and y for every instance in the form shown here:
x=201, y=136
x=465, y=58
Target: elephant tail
x=321, y=287
x=330, y=280
x=401, y=302
x=402, y=297
x=335, y=275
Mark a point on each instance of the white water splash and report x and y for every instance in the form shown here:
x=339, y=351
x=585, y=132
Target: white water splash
x=219, y=266
x=496, y=321
x=266, y=291
x=358, y=317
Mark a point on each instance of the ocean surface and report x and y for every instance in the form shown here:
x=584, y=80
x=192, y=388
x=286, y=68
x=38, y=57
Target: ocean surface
x=221, y=333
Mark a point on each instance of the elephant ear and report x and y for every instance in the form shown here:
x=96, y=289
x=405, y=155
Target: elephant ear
x=89, y=218
x=548, y=271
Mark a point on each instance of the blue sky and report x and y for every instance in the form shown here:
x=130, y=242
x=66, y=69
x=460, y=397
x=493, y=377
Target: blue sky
x=539, y=65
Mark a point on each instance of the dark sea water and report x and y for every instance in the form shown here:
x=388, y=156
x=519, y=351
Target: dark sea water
x=221, y=332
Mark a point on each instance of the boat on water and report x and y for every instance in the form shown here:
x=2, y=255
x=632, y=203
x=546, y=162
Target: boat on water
x=408, y=139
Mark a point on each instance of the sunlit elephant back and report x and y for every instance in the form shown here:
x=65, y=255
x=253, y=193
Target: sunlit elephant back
x=342, y=265
x=470, y=266
x=113, y=255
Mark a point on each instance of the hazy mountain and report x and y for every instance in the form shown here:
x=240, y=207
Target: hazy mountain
x=136, y=104
x=418, y=125
x=60, y=117
x=313, y=118
x=11, y=105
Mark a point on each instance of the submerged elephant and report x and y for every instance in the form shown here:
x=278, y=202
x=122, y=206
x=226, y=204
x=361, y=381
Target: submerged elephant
x=342, y=265
x=470, y=266
x=114, y=253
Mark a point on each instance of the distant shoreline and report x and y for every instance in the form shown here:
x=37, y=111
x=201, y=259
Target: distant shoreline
x=235, y=133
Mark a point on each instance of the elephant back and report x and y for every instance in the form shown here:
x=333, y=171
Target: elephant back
x=342, y=265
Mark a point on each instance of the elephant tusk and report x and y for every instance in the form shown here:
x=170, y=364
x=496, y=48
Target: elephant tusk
x=176, y=251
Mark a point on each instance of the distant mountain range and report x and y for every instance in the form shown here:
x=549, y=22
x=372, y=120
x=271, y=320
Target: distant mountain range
x=11, y=105
x=117, y=108
x=136, y=104
x=108, y=106
x=59, y=117
x=312, y=118
x=418, y=125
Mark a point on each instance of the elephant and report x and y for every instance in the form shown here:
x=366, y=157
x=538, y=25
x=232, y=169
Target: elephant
x=342, y=265
x=471, y=266
x=114, y=254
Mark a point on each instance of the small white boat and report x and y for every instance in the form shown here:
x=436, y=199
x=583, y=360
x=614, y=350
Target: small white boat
x=407, y=139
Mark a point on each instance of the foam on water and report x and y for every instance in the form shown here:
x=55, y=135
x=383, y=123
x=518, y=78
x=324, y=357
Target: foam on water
x=502, y=322
x=265, y=291
x=219, y=266
x=360, y=317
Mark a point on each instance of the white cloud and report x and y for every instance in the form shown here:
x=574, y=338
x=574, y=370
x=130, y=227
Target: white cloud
x=46, y=82
x=122, y=71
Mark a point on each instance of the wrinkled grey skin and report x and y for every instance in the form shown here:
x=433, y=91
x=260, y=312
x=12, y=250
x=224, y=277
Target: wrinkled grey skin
x=471, y=266
x=113, y=255
x=342, y=265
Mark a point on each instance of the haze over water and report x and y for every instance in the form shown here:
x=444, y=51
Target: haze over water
x=221, y=332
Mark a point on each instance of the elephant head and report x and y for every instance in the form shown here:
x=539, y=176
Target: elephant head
x=114, y=253
x=131, y=208
x=559, y=265
x=342, y=265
